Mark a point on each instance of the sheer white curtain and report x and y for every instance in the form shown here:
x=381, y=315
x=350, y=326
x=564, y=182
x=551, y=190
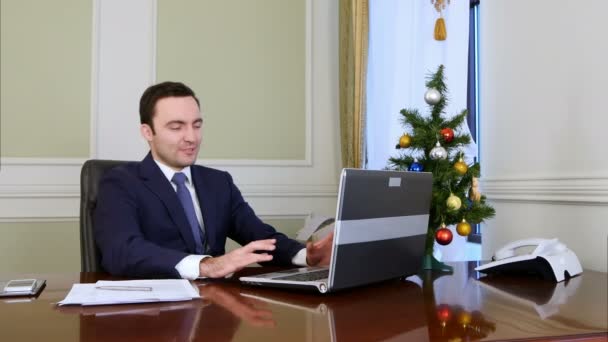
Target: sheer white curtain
x=402, y=52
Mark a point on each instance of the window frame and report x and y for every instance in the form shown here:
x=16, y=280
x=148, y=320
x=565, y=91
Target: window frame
x=473, y=92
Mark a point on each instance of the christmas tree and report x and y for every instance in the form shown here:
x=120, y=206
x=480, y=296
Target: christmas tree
x=435, y=145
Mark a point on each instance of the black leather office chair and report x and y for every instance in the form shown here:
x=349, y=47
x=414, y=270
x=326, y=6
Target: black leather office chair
x=91, y=173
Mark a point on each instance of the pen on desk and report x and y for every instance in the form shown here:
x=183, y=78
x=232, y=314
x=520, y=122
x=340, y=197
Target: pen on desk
x=124, y=288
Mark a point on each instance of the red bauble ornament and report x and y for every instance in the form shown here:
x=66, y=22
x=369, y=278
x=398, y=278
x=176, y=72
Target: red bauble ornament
x=443, y=236
x=447, y=134
x=444, y=313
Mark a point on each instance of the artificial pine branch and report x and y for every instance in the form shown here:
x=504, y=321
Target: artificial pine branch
x=436, y=80
x=412, y=117
x=457, y=120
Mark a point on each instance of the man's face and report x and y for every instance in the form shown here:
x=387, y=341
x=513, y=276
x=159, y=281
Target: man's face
x=177, y=124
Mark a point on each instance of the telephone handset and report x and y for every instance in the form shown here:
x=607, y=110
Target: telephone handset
x=543, y=246
x=550, y=259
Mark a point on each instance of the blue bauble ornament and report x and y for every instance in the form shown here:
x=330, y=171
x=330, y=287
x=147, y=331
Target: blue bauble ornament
x=468, y=203
x=416, y=166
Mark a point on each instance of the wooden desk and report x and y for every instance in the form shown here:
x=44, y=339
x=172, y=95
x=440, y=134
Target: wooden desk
x=430, y=307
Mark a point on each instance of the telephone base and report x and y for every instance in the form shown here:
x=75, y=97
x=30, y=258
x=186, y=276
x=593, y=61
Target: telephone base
x=537, y=267
x=551, y=260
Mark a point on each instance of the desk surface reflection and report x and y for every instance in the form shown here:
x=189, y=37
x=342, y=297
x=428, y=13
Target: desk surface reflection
x=427, y=307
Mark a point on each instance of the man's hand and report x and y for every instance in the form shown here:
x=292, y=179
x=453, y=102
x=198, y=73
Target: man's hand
x=237, y=259
x=319, y=253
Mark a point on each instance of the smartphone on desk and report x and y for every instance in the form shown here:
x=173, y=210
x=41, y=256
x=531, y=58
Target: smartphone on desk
x=21, y=287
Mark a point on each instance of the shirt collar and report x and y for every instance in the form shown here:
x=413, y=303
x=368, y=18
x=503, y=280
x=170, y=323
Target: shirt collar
x=169, y=172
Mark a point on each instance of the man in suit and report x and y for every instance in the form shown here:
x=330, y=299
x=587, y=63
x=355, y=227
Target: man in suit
x=166, y=217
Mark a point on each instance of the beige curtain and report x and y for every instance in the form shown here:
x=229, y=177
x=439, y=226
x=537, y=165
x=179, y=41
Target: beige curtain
x=354, y=21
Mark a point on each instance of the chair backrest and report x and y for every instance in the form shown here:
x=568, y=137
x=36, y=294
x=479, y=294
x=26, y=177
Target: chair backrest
x=91, y=173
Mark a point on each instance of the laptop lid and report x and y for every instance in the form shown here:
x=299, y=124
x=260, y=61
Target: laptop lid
x=381, y=225
x=380, y=231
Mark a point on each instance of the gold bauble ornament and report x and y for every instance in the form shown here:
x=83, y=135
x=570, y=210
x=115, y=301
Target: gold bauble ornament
x=463, y=228
x=405, y=141
x=465, y=318
x=461, y=167
x=453, y=202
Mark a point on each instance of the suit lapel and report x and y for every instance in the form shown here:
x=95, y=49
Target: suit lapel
x=207, y=204
x=155, y=180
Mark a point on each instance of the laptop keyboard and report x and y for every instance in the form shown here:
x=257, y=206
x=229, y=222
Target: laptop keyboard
x=308, y=276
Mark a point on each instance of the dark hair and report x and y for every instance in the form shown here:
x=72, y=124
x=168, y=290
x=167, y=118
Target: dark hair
x=147, y=103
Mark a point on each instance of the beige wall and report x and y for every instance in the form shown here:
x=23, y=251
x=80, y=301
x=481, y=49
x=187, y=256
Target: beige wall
x=45, y=78
x=39, y=247
x=249, y=71
x=89, y=61
x=246, y=60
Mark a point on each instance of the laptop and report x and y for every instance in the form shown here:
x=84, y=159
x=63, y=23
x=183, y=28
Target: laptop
x=380, y=231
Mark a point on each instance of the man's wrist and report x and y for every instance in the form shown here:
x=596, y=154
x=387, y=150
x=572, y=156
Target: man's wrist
x=205, y=267
x=189, y=267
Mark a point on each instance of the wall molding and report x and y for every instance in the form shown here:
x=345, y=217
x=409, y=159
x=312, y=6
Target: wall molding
x=95, y=58
x=32, y=191
x=17, y=161
x=14, y=161
x=39, y=219
x=48, y=190
x=52, y=191
x=570, y=189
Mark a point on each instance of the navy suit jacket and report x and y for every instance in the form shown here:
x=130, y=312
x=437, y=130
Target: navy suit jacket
x=141, y=228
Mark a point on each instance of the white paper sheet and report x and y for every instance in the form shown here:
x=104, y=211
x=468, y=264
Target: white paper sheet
x=162, y=290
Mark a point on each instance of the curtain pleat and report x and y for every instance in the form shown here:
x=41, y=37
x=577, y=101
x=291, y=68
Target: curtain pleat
x=354, y=21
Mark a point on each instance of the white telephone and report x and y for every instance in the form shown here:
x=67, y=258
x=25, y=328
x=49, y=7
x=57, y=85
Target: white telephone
x=550, y=259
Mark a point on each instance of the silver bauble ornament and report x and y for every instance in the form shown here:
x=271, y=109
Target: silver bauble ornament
x=432, y=96
x=438, y=152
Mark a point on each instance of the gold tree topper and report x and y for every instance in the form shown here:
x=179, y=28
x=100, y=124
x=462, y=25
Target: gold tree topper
x=440, y=30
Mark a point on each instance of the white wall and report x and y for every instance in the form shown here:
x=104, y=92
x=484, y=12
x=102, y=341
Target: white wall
x=543, y=77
